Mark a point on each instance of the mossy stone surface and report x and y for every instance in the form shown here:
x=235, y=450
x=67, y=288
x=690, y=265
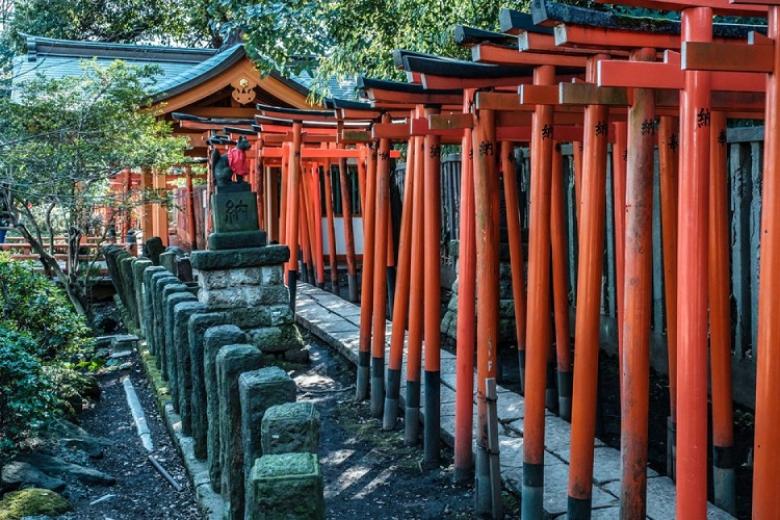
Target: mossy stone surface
x=287, y=486
x=291, y=427
x=30, y=502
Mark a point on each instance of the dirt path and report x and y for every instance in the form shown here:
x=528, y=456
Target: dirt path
x=369, y=473
x=140, y=492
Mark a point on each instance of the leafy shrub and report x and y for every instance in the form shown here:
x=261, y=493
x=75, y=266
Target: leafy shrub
x=31, y=303
x=27, y=396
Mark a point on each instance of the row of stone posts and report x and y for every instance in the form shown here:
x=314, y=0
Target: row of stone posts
x=215, y=341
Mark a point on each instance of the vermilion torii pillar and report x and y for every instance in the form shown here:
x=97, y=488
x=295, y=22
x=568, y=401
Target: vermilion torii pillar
x=761, y=54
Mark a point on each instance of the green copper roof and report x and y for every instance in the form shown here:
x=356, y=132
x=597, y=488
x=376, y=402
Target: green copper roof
x=196, y=74
x=181, y=68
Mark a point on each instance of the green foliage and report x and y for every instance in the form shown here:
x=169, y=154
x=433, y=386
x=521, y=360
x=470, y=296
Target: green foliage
x=62, y=140
x=32, y=304
x=42, y=343
x=349, y=37
x=27, y=396
x=107, y=20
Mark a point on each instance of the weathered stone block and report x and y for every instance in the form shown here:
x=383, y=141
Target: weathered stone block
x=246, y=257
x=272, y=275
x=184, y=269
x=215, y=338
x=159, y=281
x=258, y=391
x=276, y=339
x=196, y=331
x=125, y=265
x=231, y=297
x=168, y=261
x=287, y=486
x=275, y=294
x=236, y=239
x=276, y=315
x=231, y=362
x=291, y=427
x=171, y=294
x=139, y=267
x=181, y=345
x=149, y=305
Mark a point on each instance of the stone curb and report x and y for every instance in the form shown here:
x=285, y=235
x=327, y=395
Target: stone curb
x=212, y=504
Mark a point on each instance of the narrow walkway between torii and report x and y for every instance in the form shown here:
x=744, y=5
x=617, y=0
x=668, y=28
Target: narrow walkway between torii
x=336, y=322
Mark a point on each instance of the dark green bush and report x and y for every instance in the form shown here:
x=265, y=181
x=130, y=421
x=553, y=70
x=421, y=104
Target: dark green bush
x=31, y=303
x=27, y=395
x=42, y=343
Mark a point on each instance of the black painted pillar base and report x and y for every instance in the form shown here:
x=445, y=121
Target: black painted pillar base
x=377, y=386
x=579, y=508
x=532, y=505
x=551, y=391
x=292, y=286
x=564, y=395
x=352, y=287
x=390, y=417
x=432, y=431
x=412, y=413
x=361, y=386
x=521, y=360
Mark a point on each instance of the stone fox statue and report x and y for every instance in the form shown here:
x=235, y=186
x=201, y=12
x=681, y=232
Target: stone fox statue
x=224, y=166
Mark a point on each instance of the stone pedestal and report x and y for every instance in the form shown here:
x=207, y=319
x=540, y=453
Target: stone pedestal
x=259, y=391
x=231, y=362
x=215, y=339
x=287, y=486
x=291, y=427
x=197, y=325
x=247, y=283
x=235, y=218
x=181, y=346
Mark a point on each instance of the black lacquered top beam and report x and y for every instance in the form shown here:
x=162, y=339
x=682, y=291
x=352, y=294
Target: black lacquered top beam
x=512, y=21
x=181, y=116
x=296, y=113
x=399, y=55
x=399, y=86
x=336, y=104
x=545, y=12
x=464, y=35
x=462, y=69
x=240, y=131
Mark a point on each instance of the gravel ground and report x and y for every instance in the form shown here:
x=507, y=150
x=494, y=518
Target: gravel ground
x=140, y=492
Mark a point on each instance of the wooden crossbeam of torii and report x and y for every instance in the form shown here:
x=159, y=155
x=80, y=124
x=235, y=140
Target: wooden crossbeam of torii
x=758, y=54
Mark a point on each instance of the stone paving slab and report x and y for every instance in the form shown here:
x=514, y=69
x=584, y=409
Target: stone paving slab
x=315, y=307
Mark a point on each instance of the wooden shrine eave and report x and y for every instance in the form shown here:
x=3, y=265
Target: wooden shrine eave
x=243, y=69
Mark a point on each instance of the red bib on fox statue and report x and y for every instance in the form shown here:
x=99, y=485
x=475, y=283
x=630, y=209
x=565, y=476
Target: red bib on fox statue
x=237, y=158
